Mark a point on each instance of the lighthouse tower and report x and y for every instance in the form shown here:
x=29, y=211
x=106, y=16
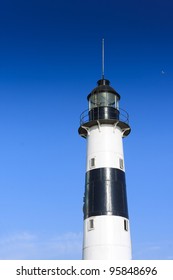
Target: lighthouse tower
x=106, y=220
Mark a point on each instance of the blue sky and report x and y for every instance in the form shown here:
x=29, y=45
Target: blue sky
x=50, y=60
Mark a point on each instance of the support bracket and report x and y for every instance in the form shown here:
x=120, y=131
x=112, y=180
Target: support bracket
x=99, y=126
x=124, y=130
x=115, y=126
x=87, y=129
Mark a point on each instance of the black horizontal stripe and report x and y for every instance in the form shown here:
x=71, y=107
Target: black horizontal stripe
x=105, y=193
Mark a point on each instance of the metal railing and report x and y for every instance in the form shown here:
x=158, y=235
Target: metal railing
x=86, y=116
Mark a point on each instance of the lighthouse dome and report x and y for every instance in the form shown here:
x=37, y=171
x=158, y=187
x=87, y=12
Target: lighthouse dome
x=103, y=86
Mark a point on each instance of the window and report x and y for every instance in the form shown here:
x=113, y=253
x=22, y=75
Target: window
x=92, y=162
x=125, y=225
x=91, y=224
x=121, y=163
x=100, y=99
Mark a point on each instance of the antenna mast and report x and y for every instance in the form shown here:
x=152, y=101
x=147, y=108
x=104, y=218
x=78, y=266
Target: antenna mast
x=103, y=59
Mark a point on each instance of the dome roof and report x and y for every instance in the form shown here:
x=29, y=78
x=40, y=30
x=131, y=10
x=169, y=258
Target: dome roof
x=103, y=86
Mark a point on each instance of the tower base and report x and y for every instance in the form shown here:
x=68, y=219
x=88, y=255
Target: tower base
x=106, y=237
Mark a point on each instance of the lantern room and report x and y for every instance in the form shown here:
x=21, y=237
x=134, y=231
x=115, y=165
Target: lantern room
x=103, y=108
x=103, y=102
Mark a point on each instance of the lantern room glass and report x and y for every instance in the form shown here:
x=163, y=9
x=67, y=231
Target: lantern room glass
x=103, y=99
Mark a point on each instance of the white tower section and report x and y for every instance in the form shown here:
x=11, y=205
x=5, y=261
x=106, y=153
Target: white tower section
x=106, y=221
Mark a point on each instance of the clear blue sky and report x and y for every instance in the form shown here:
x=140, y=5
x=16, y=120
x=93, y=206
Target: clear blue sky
x=50, y=59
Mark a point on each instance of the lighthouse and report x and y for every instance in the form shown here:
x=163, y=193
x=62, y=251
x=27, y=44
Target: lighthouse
x=106, y=233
